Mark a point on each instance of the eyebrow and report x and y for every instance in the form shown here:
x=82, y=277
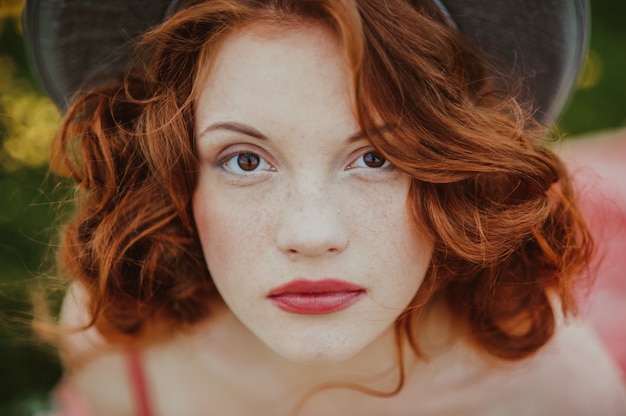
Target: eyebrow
x=252, y=132
x=236, y=127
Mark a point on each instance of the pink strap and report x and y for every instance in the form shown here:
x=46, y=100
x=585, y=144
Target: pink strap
x=138, y=382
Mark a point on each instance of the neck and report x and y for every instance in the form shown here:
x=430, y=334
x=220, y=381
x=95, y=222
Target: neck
x=227, y=346
x=226, y=339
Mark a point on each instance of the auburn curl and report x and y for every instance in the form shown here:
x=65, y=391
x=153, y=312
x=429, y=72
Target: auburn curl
x=498, y=202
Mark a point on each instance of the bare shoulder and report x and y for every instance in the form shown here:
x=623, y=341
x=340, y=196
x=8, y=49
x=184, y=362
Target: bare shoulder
x=79, y=343
x=95, y=371
x=574, y=375
x=103, y=385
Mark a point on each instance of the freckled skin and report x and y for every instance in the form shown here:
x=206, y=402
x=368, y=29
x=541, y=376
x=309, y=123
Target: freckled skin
x=312, y=208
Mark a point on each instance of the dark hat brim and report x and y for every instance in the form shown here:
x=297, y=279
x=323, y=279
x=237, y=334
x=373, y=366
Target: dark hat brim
x=68, y=41
x=542, y=41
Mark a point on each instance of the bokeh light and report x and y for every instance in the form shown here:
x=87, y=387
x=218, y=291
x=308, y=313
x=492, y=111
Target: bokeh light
x=591, y=73
x=28, y=120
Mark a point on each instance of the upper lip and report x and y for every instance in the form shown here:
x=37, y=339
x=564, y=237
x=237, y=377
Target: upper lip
x=300, y=286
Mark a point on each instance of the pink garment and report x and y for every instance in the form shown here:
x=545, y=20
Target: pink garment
x=598, y=164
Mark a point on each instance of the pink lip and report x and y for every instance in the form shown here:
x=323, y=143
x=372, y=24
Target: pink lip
x=315, y=297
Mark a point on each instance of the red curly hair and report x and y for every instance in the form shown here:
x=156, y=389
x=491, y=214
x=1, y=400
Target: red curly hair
x=496, y=200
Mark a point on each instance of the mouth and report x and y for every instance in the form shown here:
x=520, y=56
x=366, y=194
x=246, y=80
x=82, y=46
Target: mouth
x=315, y=297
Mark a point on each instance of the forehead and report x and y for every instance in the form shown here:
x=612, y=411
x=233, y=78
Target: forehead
x=264, y=71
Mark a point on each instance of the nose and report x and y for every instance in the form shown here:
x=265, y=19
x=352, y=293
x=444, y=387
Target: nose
x=311, y=225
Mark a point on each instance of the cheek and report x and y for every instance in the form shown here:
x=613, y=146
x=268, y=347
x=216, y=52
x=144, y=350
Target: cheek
x=213, y=238
x=230, y=233
x=392, y=242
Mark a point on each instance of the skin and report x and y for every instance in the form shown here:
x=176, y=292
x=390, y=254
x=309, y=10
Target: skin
x=315, y=209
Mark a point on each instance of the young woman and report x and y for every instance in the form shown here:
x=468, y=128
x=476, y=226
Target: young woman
x=319, y=208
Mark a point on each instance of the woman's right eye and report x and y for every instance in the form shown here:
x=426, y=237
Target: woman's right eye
x=245, y=161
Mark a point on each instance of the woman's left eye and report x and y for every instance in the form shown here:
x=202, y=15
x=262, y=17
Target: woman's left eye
x=371, y=160
x=246, y=162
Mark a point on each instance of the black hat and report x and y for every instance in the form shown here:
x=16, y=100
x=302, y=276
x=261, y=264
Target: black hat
x=543, y=41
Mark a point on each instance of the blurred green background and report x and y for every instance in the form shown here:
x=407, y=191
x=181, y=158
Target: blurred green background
x=30, y=207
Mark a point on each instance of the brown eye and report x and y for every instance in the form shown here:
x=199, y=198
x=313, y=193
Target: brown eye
x=374, y=160
x=248, y=161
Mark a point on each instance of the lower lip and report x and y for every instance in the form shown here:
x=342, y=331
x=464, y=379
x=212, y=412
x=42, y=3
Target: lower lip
x=316, y=303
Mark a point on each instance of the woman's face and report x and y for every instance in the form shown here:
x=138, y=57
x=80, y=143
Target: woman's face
x=304, y=227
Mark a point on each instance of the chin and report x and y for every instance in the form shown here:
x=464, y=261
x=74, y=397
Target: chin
x=317, y=349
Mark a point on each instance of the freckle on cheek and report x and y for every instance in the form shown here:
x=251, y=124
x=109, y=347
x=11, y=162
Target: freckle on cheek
x=219, y=248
